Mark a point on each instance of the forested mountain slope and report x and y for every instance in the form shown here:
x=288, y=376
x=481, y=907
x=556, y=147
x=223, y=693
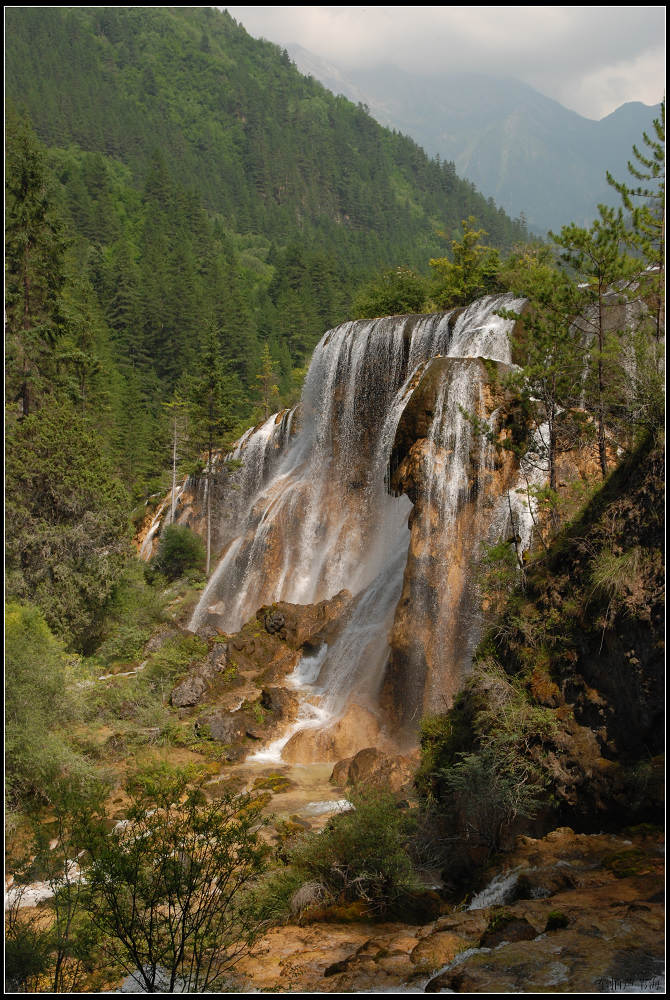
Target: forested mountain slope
x=524, y=149
x=203, y=184
x=269, y=150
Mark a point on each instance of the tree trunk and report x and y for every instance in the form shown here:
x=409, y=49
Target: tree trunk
x=174, y=469
x=602, y=447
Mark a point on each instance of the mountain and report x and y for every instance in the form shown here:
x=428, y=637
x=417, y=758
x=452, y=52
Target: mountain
x=268, y=150
x=525, y=150
x=203, y=180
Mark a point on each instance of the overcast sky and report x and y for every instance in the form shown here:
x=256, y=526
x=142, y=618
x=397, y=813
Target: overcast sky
x=591, y=59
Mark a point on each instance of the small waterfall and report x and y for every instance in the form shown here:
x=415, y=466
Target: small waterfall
x=311, y=512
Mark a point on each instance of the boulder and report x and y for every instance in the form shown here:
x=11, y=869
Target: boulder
x=216, y=662
x=159, y=640
x=507, y=927
x=189, y=692
x=371, y=766
x=274, y=622
x=226, y=727
x=437, y=950
x=280, y=702
x=357, y=728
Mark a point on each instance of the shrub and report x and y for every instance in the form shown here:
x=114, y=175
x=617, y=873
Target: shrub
x=179, y=550
x=132, y=613
x=362, y=855
x=38, y=701
x=168, y=890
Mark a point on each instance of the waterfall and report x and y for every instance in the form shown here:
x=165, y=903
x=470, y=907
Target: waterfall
x=311, y=513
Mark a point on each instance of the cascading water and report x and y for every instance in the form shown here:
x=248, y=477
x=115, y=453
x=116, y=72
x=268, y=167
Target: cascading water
x=313, y=514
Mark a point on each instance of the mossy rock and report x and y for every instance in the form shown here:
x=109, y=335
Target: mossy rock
x=274, y=783
x=506, y=926
x=628, y=863
x=348, y=913
x=556, y=921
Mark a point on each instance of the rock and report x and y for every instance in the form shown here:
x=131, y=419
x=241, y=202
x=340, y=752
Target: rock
x=226, y=727
x=357, y=728
x=437, y=950
x=189, y=692
x=157, y=641
x=371, y=766
x=274, y=622
x=507, y=927
x=216, y=662
x=340, y=773
x=279, y=701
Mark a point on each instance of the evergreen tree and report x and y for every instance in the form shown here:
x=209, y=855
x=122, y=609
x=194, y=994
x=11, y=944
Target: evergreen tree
x=646, y=203
x=550, y=352
x=211, y=394
x=34, y=273
x=67, y=521
x=472, y=272
x=598, y=259
x=268, y=391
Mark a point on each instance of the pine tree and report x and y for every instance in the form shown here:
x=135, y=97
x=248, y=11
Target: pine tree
x=597, y=257
x=211, y=396
x=472, y=272
x=268, y=391
x=34, y=274
x=549, y=349
x=646, y=203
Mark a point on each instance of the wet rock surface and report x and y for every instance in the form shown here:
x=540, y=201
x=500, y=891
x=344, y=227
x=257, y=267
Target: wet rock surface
x=357, y=728
x=609, y=939
x=374, y=768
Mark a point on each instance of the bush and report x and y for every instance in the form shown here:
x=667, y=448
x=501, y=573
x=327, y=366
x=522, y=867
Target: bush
x=482, y=763
x=38, y=701
x=180, y=550
x=132, y=613
x=168, y=890
x=395, y=291
x=361, y=856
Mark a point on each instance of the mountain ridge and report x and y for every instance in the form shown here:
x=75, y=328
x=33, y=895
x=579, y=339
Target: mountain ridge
x=527, y=151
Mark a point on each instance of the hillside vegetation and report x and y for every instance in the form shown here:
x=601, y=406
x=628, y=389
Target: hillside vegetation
x=203, y=182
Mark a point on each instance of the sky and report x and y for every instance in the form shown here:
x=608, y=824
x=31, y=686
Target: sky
x=590, y=59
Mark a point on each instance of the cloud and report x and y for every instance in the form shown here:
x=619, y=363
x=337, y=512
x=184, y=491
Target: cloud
x=590, y=58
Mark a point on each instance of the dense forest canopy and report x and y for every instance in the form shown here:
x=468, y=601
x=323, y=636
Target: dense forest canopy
x=204, y=176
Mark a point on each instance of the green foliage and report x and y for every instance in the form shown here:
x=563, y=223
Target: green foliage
x=179, y=550
x=498, y=575
x=67, y=527
x=34, y=268
x=395, y=291
x=646, y=203
x=361, y=855
x=600, y=265
x=267, y=390
x=38, y=707
x=138, y=706
x=167, y=890
x=615, y=574
x=131, y=615
x=481, y=762
x=556, y=921
x=28, y=953
x=472, y=272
